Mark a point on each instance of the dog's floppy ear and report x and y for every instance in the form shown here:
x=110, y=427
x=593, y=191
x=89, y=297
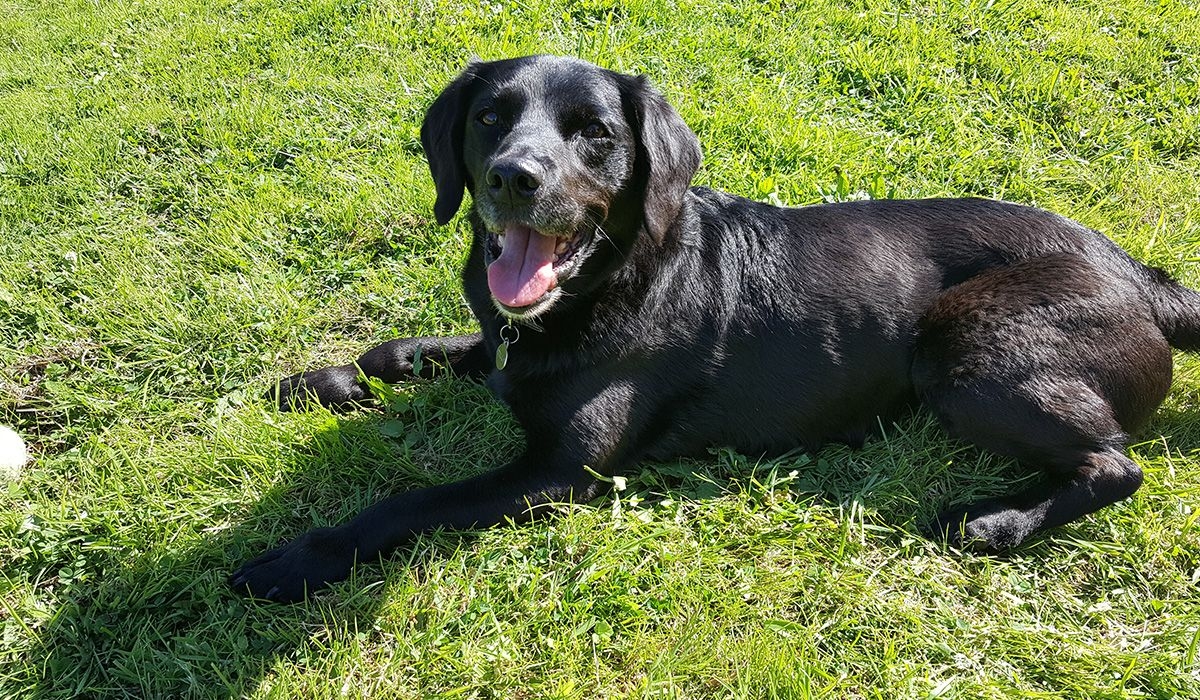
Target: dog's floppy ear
x=442, y=139
x=668, y=153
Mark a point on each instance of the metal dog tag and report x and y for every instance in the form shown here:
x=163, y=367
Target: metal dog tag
x=505, y=341
x=502, y=355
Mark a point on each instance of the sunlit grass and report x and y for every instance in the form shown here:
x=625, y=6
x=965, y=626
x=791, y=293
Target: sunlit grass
x=197, y=198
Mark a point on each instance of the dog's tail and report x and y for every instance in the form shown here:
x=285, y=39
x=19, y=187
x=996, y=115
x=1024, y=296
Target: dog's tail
x=1176, y=309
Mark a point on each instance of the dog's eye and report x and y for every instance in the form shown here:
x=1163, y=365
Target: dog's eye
x=488, y=117
x=595, y=130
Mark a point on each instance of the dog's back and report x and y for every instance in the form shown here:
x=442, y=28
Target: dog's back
x=803, y=321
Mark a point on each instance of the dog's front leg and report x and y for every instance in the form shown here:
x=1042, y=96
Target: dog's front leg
x=325, y=555
x=340, y=387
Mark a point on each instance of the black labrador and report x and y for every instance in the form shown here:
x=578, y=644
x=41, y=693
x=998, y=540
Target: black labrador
x=626, y=316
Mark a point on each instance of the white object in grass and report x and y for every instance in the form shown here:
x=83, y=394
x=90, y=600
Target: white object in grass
x=12, y=454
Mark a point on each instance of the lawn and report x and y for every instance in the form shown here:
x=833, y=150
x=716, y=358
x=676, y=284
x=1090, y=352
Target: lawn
x=198, y=197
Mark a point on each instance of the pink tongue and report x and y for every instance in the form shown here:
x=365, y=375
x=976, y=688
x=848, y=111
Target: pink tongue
x=525, y=269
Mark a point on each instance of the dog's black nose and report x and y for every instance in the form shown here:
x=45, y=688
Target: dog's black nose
x=515, y=181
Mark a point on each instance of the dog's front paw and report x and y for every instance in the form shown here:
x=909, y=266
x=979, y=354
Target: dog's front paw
x=290, y=573
x=333, y=387
x=980, y=528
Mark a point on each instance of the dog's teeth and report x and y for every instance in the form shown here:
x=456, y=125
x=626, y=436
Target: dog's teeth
x=500, y=240
x=562, y=246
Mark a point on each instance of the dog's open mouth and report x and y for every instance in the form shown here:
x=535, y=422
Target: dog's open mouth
x=526, y=264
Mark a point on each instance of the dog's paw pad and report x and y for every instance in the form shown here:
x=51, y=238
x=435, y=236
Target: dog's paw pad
x=337, y=388
x=979, y=530
x=299, y=568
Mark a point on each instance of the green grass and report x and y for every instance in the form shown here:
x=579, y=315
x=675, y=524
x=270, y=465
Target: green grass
x=199, y=197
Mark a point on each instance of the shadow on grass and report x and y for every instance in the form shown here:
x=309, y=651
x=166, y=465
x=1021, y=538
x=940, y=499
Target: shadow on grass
x=164, y=624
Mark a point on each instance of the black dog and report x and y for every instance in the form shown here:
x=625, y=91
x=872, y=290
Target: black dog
x=656, y=320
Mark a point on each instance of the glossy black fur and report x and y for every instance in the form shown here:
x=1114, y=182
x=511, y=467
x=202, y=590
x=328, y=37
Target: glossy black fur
x=697, y=319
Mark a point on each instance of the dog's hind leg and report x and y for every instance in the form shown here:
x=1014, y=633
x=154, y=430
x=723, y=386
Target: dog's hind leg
x=1052, y=362
x=1079, y=481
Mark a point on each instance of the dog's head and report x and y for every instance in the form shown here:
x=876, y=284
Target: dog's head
x=567, y=164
